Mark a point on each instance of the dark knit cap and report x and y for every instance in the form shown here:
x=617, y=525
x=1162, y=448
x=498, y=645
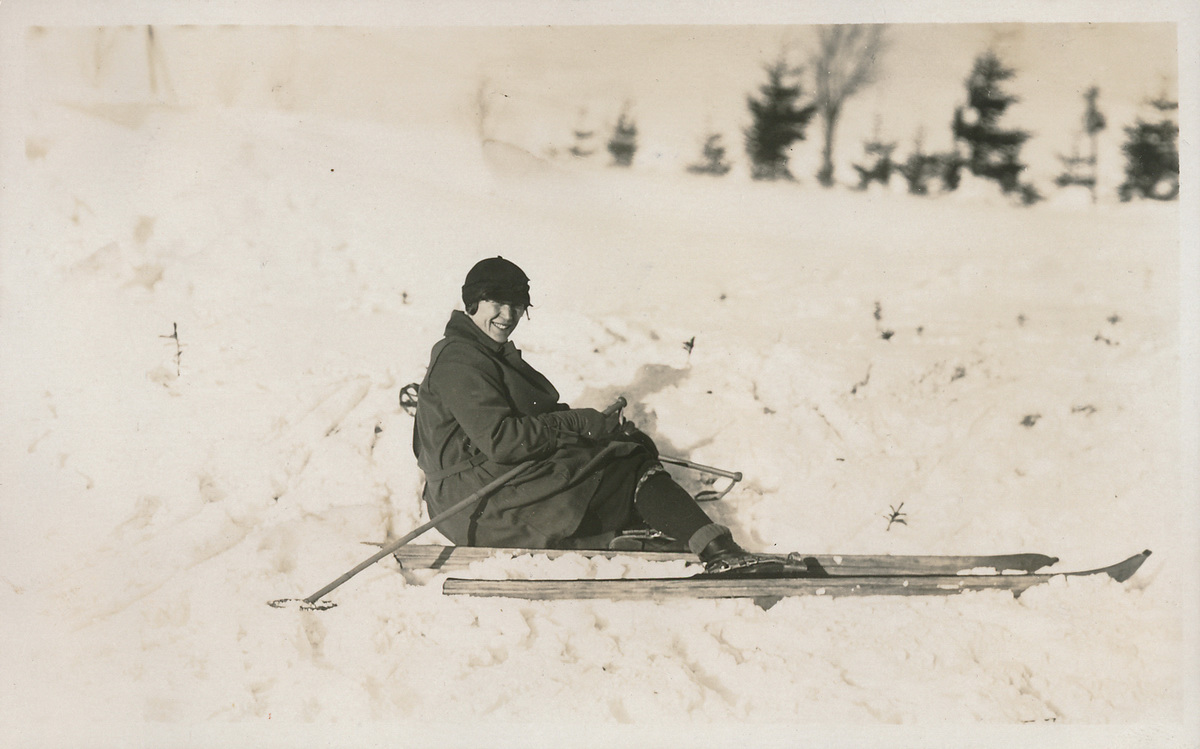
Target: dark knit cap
x=498, y=280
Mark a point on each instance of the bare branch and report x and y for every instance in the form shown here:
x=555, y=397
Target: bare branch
x=846, y=60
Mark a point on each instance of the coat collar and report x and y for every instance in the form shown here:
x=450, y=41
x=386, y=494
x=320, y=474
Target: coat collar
x=461, y=326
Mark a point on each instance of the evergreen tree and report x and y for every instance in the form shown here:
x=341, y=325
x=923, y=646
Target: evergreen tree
x=1080, y=169
x=879, y=157
x=1077, y=170
x=713, y=156
x=920, y=167
x=1093, y=120
x=949, y=166
x=992, y=153
x=585, y=144
x=916, y=170
x=583, y=147
x=779, y=121
x=623, y=142
x=1152, y=155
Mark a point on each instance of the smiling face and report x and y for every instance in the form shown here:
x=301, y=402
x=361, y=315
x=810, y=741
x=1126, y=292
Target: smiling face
x=497, y=319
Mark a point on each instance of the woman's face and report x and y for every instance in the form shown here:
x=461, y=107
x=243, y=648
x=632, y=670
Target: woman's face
x=497, y=319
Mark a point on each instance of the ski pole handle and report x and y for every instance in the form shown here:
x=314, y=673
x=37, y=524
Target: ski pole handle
x=616, y=406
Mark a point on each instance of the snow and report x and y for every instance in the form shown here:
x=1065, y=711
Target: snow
x=156, y=497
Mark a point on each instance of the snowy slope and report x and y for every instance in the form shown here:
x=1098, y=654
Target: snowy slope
x=1025, y=398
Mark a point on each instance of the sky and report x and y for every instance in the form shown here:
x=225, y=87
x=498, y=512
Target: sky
x=679, y=82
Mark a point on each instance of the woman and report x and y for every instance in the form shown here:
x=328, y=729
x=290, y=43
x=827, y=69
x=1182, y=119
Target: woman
x=482, y=409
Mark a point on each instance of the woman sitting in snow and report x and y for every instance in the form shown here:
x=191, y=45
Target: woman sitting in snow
x=482, y=410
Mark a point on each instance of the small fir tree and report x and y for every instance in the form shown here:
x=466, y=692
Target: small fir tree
x=623, y=142
x=879, y=164
x=1152, y=155
x=992, y=152
x=950, y=165
x=585, y=137
x=778, y=121
x=919, y=167
x=1079, y=169
x=583, y=146
x=712, y=158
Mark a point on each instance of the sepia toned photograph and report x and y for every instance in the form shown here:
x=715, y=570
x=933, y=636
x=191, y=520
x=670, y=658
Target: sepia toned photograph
x=549, y=375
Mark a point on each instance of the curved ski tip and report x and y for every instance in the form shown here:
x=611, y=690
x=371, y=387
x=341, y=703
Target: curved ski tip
x=1122, y=571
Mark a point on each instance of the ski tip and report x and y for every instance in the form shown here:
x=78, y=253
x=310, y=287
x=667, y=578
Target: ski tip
x=1122, y=571
x=1048, y=561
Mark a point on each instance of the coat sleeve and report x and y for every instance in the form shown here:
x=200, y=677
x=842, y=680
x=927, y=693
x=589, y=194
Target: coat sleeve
x=472, y=390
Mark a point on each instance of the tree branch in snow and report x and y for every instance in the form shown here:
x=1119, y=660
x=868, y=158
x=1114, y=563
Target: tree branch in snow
x=178, y=347
x=895, y=516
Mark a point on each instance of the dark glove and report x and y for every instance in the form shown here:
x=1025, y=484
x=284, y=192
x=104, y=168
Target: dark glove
x=630, y=433
x=586, y=422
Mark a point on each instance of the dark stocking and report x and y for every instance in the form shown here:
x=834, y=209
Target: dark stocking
x=667, y=507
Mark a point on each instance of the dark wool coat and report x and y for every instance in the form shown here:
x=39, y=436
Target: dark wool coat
x=481, y=411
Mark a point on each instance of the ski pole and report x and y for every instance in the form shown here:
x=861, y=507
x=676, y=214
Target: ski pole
x=311, y=601
x=708, y=495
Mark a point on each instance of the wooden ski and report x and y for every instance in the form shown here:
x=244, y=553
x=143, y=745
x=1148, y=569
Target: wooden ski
x=450, y=558
x=713, y=586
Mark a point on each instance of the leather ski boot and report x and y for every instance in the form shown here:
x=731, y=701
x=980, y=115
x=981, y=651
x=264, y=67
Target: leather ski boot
x=723, y=556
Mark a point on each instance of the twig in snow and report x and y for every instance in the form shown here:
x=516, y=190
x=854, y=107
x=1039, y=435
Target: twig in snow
x=896, y=516
x=884, y=334
x=865, y=380
x=178, y=347
x=832, y=428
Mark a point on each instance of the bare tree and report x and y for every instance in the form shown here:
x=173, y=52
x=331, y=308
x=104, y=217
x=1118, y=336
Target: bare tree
x=157, y=65
x=845, y=62
x=483, y=110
